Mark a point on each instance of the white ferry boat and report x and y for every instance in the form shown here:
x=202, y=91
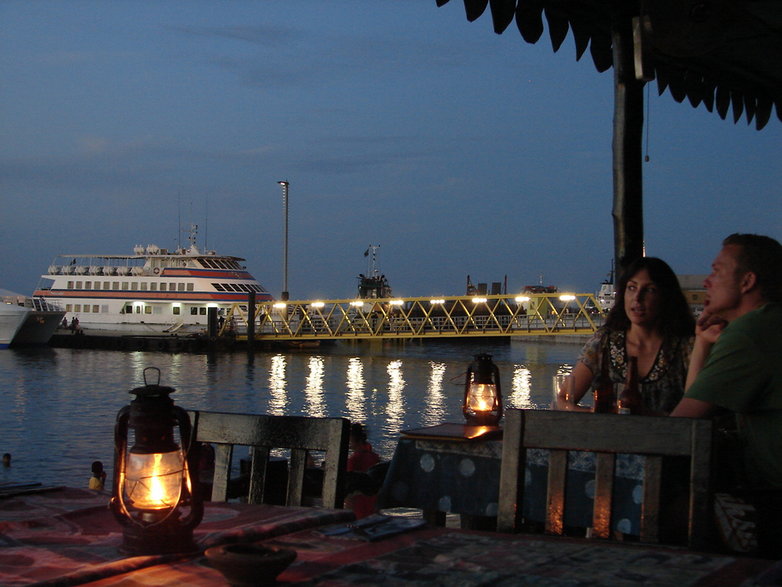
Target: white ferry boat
x=152, y=291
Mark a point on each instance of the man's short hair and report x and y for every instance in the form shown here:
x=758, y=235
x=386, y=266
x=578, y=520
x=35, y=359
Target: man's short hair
x=761, y=255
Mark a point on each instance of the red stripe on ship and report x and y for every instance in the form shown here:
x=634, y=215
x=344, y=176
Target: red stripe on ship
x=226, y=296
x=206, y=273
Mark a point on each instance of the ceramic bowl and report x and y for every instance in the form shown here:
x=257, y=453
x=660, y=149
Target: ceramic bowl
x=250, y=564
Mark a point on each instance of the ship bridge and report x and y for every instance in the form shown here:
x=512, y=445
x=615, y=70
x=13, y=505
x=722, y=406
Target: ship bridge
x=526, y=314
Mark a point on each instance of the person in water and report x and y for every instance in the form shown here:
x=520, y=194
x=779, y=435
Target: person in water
x=98, y=479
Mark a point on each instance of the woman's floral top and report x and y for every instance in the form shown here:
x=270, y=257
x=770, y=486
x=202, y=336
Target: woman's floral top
x=662, y=387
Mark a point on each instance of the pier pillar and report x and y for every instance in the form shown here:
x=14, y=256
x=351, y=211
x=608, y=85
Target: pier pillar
x=250, y=320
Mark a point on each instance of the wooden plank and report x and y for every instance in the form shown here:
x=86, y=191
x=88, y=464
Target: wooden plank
x=223, y=455
x=650, y=505
x=607, y=433
x=604, y=487
x=511, y=473
x=259, y=462
x=296, y=476
x=701, y=496
x=555, y=497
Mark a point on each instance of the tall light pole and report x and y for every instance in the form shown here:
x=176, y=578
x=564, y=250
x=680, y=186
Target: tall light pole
x=284, y=184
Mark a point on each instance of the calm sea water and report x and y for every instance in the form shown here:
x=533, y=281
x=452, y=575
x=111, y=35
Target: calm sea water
x=58, y=406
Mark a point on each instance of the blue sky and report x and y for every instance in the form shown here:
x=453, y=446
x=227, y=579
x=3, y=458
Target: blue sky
x=397, y=123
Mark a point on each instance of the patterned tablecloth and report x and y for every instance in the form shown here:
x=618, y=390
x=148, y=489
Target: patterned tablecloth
x=449, y=557
x=68, y=536
x=463, y=477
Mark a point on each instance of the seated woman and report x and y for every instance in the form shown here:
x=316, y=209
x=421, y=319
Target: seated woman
x=650, y=320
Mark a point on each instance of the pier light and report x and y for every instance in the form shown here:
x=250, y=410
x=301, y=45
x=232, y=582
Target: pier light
x=397, y=302
x=521, y=299
x=357, y=304
x=436, y=302
x=479, y=300
x=152, y=494
x=482, y=404
x=212, y=305
x=317, y=305
x=567, y=298
x=280, y=305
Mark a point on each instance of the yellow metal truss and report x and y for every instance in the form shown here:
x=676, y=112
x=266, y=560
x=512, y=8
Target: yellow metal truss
x=399, y=318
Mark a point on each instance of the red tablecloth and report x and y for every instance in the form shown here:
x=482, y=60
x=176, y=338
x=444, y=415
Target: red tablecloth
x=46, y=538
x=449, y=557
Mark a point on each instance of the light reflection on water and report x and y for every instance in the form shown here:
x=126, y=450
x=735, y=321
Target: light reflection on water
x=57, y=406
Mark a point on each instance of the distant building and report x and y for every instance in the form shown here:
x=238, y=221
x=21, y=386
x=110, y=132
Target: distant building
x=694, y=292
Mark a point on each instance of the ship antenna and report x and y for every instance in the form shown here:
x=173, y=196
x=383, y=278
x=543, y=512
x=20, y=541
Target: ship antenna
x=206, y=224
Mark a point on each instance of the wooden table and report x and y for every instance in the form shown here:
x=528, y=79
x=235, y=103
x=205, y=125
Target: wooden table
x=69, y=535
x=444, y=556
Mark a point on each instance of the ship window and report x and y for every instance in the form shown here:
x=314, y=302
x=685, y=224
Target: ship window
x=162, y=287
x=115, y=285
x=68, y=308
x=176, y=310
x=193, y=311
x=78, y=285
x=87, y=285
x=106, y=285
x=125, y=285
x=153, y=286
x=138, y=309
x=70, y=285
x=86, y=308
x=189, y=287
x=134, y=286
x=147, y=309
x=143, y=286
x=172, y=287
x=77, y=307
x=95, y=308
x=218, y=287
x=202, y=311
x=180, y=287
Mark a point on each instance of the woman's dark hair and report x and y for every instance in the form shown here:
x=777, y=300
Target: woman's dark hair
x=675, y=316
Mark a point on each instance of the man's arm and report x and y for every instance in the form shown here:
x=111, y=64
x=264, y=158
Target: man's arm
x=693, y=408
x=707, y=331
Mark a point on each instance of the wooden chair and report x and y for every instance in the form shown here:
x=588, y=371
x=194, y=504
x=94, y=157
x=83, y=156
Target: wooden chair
x=606, y=435
x=262, y=433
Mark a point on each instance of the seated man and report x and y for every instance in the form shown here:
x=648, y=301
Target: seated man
x=735, y=365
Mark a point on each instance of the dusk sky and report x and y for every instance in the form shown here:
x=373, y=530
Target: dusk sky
x=397, y=123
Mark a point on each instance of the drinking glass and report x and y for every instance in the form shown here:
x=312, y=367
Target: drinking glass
x=562, y=380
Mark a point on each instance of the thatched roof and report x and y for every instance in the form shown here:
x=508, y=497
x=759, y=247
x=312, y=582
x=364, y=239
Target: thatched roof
x=723, y=55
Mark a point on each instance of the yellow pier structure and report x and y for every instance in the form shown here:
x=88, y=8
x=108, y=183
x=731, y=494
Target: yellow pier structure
x=409, y=318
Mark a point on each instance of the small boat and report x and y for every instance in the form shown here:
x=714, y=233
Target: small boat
x=150, y=291
x=39, y=322
x=607, y=294
x=12, y=317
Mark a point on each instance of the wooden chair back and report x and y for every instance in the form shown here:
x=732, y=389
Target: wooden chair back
x=263, y=433
x=606, y=435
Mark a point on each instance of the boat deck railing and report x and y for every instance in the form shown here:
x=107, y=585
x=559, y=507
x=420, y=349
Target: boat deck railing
x=430, y=317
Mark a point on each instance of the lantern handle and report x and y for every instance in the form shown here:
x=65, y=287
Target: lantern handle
x=145, y=375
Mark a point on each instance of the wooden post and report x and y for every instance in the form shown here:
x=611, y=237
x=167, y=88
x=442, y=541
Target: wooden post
x=627, y=148
x=250, y=320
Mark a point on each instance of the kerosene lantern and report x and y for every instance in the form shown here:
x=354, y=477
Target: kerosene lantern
x=153, y=495
x=482, y=394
